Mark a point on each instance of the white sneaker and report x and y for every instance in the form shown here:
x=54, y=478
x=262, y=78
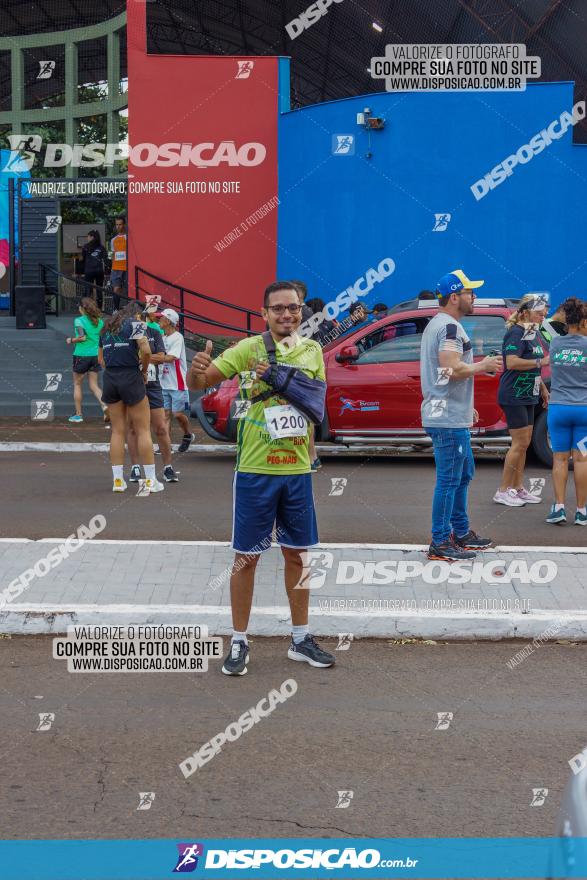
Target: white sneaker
x=119, y=485
x=154, y=485
x=528, y=497
x=510, y=498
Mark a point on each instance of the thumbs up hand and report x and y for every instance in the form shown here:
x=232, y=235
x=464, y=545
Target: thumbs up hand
x=202, y=360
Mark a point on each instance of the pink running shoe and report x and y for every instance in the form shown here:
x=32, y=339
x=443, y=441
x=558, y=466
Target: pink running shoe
x=510, y=498
x=528, y=497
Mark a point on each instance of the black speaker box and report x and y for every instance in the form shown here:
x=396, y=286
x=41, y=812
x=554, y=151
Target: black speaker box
x=29, y=306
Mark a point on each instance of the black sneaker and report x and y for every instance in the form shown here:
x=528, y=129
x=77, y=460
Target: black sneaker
x=473, y=541
x=449, y=551
x=309, y=651
x=236, y=659
x=185, y=443
x=169, y=475
x=135, y=474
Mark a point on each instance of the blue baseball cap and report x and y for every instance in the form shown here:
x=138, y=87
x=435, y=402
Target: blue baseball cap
x=454, y=282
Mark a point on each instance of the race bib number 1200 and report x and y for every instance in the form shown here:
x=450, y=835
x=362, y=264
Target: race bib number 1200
x=285, y=421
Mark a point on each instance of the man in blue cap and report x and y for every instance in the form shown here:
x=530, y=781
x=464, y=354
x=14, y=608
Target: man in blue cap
x=447, y=371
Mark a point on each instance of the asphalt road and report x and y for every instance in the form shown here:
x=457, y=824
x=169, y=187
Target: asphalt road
x=385, y=500
x=367, y=725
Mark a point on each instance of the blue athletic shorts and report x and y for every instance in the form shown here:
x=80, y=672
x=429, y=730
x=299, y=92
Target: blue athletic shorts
x=262, y=500
x=567, y=426
x=176, y=401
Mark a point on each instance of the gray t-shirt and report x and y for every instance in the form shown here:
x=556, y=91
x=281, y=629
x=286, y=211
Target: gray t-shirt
x=446, y=403
x=568, y=364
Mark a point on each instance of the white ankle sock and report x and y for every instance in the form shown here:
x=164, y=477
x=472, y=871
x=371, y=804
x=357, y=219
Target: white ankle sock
x=239, y=637
x=117, y=471
x=582, y=510
x=149, y=470
x=299, y=633
x=558, y=507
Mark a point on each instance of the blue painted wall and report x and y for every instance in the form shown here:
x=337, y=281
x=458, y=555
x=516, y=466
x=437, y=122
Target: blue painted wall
x=339, y=215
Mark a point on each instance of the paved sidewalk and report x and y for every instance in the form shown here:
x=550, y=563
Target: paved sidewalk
x=185, y=581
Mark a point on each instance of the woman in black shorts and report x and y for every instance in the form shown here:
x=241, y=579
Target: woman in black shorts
x=520, y=389
x=125, y=355
x=85, y=355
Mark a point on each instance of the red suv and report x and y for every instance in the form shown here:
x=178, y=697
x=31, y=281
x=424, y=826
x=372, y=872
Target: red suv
x=373, y=377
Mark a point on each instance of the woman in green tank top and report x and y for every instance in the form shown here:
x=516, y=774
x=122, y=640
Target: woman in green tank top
x=85, y=355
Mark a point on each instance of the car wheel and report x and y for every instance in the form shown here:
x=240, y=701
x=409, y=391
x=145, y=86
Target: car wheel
x=541, y=441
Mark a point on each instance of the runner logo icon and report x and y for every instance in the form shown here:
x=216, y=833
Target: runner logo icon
x=46, y=719
x=444, y=719
x=441, y=222
x=146, y=799
x=316, y=566
x=338, y=485
x=53, y=223
x=53, y=380
x=187, y=860
x=46, y=69
x=344, y=799
x=42, y=410
x=539, y=795
x=244, y=69
x=343, y=145
x=23, y=151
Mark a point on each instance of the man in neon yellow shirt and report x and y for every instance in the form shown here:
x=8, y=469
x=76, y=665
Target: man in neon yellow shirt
x=273, y=482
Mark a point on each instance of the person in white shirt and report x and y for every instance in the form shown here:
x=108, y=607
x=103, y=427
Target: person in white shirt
x=176, y=398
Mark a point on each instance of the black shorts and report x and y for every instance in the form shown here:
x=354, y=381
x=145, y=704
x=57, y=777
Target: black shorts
x=518, y=415
x=85, y=364
x=124, y=384
x=154, y=395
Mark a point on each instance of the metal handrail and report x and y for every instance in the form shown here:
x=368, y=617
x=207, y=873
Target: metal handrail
x=205, y=296
x=182, y=291
x=182, y=312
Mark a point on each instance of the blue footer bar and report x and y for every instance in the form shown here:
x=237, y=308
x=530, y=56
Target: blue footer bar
x=307, y=859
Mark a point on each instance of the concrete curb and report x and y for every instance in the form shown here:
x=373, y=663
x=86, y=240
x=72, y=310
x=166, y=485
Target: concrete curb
x=223, y=448
x=36, y=619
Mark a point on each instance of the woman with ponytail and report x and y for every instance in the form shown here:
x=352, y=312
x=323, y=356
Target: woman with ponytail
x=125, y=354
x=567, y=413
x=85, y=355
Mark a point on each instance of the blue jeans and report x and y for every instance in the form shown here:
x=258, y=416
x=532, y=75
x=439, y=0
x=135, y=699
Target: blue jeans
x=455, y=469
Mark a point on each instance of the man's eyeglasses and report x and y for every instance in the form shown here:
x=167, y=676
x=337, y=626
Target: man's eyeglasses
x=292, y=308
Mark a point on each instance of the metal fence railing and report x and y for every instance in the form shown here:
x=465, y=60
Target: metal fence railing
x=63, y=294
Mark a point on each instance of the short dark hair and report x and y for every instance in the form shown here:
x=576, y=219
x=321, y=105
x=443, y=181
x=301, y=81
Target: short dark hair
x=316, y=304
x=426, y=294
x=442, y=300
x=380, y=307
x=574, y=310
x=121, y=217
x=302, y=287
x=356, y=306
x=274, y=287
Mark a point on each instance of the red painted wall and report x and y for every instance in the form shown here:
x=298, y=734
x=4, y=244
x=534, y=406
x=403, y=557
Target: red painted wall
x=199, y=100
